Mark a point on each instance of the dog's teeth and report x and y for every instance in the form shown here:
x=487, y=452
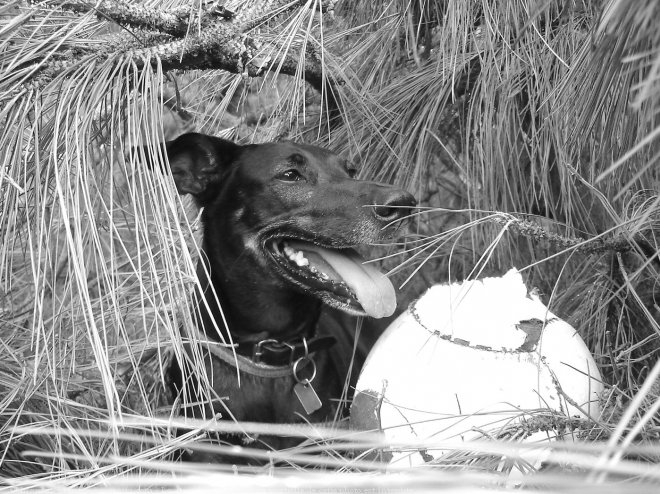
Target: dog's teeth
x=296, y=256
x=324, y=276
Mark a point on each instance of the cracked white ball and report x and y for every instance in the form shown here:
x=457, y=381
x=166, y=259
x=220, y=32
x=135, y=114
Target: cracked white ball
x=472, y=360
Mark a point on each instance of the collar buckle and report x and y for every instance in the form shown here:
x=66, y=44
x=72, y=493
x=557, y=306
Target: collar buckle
x=258, y=351
x=274, y=352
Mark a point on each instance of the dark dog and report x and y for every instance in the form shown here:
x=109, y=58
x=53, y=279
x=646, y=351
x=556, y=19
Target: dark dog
x=280, y=221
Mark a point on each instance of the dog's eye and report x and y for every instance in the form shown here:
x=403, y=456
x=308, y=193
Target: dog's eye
x=292, y=175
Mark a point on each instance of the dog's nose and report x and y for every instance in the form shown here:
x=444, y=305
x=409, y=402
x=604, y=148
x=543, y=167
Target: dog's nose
x=396, y=206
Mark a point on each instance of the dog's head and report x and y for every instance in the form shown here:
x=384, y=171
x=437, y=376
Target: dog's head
x=286, y=216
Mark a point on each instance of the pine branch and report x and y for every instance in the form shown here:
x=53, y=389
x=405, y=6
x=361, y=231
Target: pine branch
x=218, y=48
x=179, y=21
x=220, y=40
x=619, y=243
x=176, y=22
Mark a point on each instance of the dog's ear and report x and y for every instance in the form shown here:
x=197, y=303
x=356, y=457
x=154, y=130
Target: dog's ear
x=197, y=162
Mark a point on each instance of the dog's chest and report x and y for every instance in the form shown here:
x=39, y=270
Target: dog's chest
x=271, y=399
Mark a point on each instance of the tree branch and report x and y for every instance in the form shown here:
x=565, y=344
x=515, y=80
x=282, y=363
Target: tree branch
x=175, y=22
x=219, y=40
x=179, y=21
x=530, y=229
x=218, y=47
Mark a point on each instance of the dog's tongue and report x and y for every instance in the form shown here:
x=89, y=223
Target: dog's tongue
x=372, y=288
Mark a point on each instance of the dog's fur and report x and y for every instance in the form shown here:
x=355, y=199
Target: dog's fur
x=253, y=197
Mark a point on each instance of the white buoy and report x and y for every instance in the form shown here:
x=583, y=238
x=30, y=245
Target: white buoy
x=467, y=360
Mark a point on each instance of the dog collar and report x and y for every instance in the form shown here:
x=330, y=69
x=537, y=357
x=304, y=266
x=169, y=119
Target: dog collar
x=273, y=352
x=273, y=361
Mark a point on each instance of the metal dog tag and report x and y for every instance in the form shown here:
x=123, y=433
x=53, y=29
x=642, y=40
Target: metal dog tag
x=307, y=396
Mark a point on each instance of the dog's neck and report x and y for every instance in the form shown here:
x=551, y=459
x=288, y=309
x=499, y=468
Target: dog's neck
x=255, y=310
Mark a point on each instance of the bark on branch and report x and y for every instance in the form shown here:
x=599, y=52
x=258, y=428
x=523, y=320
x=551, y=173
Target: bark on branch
x=175, y=22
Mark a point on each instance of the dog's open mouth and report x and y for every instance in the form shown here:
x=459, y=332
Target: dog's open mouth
x=338, y=276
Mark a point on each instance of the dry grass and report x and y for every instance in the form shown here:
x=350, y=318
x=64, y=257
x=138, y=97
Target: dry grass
x=529, y=130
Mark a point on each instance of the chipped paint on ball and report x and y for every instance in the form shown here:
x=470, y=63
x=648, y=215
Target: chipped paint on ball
x=468, y=359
